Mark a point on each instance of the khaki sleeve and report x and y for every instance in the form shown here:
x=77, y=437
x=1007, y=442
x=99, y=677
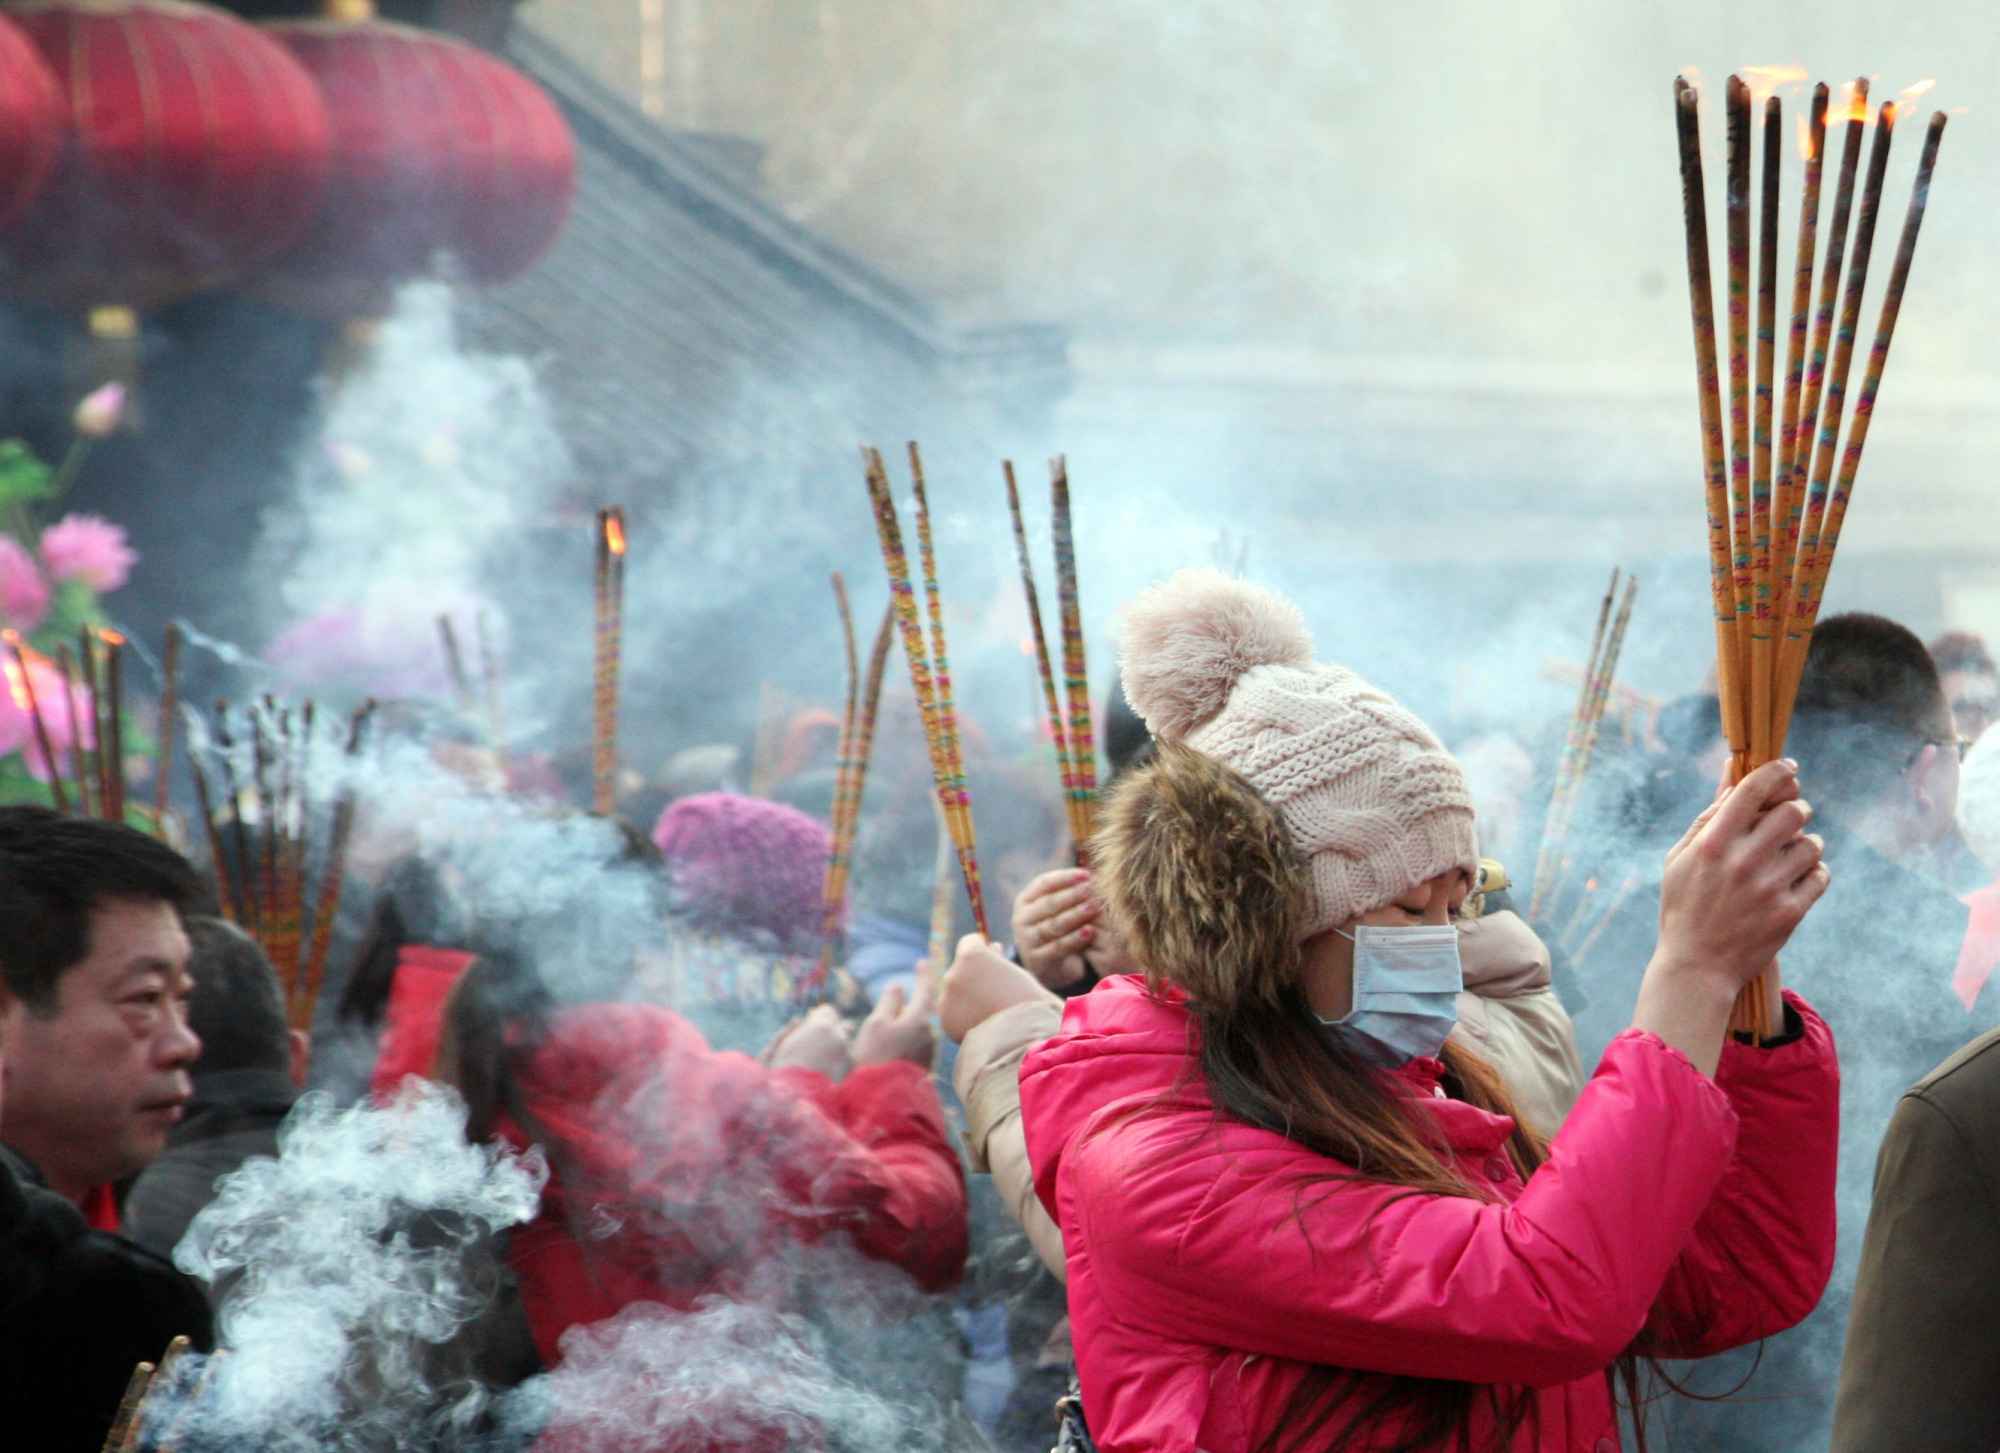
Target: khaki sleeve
x=988, y=1080
x=1922, y=1368
x=1511, y=1016
x=1528, y=1038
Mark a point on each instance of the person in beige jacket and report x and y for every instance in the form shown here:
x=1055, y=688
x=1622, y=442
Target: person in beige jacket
x=997, y=1010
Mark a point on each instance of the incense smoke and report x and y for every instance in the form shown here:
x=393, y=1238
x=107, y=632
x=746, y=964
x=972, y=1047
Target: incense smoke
x=429, y=459
x=342, y=1266
x=727, y=1376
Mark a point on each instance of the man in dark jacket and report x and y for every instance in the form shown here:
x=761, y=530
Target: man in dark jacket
x=95, y=1043
x=1878, y=760
x=79, y=1309
x=245, y=1083
x=1922, y=1368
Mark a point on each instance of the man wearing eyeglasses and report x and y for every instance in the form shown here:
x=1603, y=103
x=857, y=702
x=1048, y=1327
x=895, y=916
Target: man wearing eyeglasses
x=1971, y=681
x=1878, y=755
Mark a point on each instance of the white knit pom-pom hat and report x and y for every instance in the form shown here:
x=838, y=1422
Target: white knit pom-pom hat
x=1371, y=797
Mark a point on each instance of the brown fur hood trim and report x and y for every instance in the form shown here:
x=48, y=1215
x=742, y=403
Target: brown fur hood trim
x=1201, y=878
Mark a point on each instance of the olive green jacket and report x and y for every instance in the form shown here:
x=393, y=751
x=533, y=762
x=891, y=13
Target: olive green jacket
x=1922, y=1366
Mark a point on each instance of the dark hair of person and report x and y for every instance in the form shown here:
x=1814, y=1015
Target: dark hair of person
x=499, y=1008
x=1869, y=700
x=1127, y=742
x=1962, y=651
x=413, y=906
x=1202, y=878
x=636, y=848
x=1690, y=725
x=54, y=871
x=238, y=1007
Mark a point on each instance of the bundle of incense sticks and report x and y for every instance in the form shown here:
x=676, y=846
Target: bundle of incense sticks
x=1069, y=713
x=266, y=836
x=1775, y=508
x=857, y=740
x=154, y=1412
x=930, y=668
x=92, y=705
x=1580, y=743
x=607, y=641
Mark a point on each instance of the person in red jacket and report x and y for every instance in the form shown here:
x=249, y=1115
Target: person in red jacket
x=679, y=1172
x=1295, y=1214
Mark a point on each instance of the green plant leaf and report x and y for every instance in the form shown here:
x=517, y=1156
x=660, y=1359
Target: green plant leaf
x=24, y=479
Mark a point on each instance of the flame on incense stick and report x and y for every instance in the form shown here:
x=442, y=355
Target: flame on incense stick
x=1765, y=81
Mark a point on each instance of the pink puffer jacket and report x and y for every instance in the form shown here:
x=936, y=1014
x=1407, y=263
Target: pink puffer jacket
x=1203, y=1282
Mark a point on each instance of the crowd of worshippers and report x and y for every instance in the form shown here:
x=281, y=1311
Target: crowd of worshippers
x=1276, y=1127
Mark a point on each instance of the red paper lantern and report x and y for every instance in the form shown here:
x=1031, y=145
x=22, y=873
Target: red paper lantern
x=30, y=121
x=195, y=151
x=439, y=151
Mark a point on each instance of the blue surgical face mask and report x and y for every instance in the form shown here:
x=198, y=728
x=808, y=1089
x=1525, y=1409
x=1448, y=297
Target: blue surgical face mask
x=1406, y=986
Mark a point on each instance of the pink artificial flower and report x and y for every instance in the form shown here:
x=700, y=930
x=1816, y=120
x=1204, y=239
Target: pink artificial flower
x=51, y=698
x=88, y=548
x=101, y=411
x=342, y=648
x=24, y=595
x=16, y=726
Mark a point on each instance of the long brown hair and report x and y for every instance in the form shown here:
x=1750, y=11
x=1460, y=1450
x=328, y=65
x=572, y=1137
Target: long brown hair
x=1201, y=877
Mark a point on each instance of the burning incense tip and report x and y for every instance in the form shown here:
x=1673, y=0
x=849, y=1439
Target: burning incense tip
x=1856, y=102
x=614, y=532
x=1912, y=92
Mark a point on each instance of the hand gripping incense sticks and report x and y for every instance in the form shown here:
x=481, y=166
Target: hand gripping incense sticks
x=928, y=668
x=1779, y=510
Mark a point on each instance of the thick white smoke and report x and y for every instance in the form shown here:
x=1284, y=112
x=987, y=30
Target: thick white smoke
x=339, y=1264
x=727, y=1376
x=429, y=458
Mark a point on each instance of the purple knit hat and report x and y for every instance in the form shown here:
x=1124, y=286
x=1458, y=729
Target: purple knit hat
x=741, y=864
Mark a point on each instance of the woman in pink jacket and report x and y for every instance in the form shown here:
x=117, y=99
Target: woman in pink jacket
x=1296, y=1214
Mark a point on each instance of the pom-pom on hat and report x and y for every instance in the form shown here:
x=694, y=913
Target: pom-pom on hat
x=747, y=867
x=1372, y=799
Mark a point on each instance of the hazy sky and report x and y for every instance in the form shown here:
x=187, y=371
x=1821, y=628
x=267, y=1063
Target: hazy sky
x=1466, y=177
x=1375, y=283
